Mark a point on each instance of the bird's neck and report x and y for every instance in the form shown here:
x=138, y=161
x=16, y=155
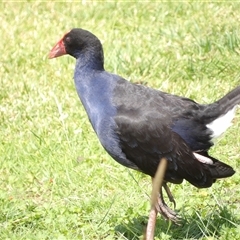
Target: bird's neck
x=90, y=59
x=94, y=89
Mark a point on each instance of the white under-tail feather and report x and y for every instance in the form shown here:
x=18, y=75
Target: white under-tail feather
x=222, y=123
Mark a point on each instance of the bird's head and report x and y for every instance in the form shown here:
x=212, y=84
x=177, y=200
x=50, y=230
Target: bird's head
x=77, y=42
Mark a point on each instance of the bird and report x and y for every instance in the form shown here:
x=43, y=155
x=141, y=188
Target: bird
x=139, y=126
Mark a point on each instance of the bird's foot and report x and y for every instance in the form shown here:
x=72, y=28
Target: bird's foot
x=167, y=212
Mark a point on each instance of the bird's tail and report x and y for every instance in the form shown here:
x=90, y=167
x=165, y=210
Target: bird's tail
x=229, y=101
x=219, y=114
x=217, y=168
x=212, y=169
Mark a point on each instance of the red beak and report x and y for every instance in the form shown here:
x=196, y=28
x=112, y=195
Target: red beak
x=58, y=50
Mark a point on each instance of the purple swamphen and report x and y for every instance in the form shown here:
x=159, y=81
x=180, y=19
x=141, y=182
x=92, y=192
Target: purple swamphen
x=138, y=126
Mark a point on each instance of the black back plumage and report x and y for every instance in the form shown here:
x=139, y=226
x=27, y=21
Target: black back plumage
x=147, y=120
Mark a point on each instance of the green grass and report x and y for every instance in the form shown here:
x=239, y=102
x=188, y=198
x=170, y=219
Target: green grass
x=57, y=182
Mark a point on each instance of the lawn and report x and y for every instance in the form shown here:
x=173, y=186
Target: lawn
x=57, y=182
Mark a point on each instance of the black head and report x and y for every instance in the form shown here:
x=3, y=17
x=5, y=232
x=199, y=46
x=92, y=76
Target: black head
x=77, y=42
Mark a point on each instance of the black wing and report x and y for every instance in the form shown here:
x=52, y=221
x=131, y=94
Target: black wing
x=144, y=118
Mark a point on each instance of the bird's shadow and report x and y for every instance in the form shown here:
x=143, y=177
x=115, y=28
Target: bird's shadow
x=193, y=226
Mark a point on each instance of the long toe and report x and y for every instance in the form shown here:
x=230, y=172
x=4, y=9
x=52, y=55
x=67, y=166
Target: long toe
x=169, y=194
x=167, y=212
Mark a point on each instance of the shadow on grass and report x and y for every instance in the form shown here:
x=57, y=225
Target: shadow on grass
x=193, y=226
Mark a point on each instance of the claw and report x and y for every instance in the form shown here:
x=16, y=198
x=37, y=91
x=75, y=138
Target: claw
x=167, y=213
x=163, y=208
x=169, y=194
